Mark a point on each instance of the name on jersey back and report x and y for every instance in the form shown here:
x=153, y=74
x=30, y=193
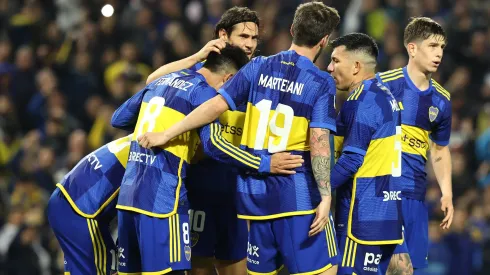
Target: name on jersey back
x=176, y=83
x=281, y=84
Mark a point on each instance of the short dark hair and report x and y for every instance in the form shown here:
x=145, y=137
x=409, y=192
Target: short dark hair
x=421, y=28
x=234, y=16
x=313, y=21
x=231, y=59
x=358, y=42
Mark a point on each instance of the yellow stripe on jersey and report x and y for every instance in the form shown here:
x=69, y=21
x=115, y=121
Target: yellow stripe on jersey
x=164, y=118
x=379, y=158
x=297, y=138
x=391, y=72
x=80, y=212
x=349, y=256
x=233, y=122
x=171, y=239
x=178, y=237
x=354, y=254
x=338, y=145
x=231, y=150
x=441, y=90
x=360, y=91
x=356, y=93
x=95, y=245
x=332, y=237
x=268, y=273
x=401, y=105
x=393, y=78
x=102, y=244
x=415, y=140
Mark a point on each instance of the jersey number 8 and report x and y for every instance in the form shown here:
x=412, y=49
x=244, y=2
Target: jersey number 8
x=152, y=111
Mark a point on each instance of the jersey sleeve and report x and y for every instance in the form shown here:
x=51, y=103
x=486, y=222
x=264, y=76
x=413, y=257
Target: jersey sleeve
x=236, y=90
x=360, y=125
x=201, y=94
x=218, y=148
x=126, y=115
x=323, y=115
x=386, y=84
x=442, y=131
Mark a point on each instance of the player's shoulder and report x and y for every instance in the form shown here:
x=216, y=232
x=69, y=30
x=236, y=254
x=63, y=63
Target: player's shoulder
x=371, y=94
x=440, y=92
x=392, y=76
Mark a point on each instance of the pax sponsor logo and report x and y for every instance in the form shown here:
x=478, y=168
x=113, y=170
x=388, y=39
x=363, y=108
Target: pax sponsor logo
x=371, y=262
x=252, y=251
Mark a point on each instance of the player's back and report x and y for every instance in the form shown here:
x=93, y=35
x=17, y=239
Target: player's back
x=152, y=184
x=287, y=96
x=368, y=206
x=91, y=186
x=426, y=115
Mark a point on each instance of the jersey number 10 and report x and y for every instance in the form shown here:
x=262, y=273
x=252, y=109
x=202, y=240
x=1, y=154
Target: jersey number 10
x=264, y=106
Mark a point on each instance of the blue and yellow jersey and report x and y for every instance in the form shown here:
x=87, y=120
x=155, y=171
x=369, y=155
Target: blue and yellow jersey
x=425, y=115
x=152, y=184
x=283, y=96
x=93, y=184
x=368, y=206
x=209, y=177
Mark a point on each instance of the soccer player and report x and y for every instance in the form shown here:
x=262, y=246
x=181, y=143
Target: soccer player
x=289, y=105
x=83, y=205
x=367, y=141
x=153, y=222
x=426, y=125
x=219, y=238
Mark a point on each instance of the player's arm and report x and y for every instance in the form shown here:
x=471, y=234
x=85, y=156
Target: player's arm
x=126, y=115
x=322, y=122
x=234, y=92
x=221, y=150
x=188, y=62
x=360, y=124
x=441, y=162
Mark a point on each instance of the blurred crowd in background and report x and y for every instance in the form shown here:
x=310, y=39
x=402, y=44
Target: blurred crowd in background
x=64, y=68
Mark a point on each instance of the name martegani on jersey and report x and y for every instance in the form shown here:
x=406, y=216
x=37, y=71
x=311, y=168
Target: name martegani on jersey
x=281, y=84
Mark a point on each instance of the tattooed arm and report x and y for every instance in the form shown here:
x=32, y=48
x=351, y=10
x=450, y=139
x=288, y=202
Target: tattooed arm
x=400, y=264
x=320, y=159
x=320, y=162
x=441, y=162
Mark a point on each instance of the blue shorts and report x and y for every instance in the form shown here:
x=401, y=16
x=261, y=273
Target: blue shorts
x=284, y=241
x=87, y=244
x=363, y=259
x=148, y=244
x=415, y=232
x=216, y=231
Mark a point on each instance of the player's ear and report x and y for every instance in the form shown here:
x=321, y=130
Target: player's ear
x=227, y=77
x=223, y=35
x=357, y=67
x=291, y=30
x=411, y=49
x=324, y=41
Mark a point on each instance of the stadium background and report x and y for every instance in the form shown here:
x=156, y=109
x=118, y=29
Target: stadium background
x=64, y=68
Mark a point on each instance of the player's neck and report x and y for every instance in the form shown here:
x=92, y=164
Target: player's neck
x=208, y=75
x=358, y=80
x=420, y=79
x=304, y=51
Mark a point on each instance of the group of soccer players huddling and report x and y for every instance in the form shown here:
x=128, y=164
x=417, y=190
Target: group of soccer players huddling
x=229, y=164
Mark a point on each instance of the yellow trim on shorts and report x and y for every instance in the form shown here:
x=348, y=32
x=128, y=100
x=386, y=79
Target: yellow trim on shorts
x=279, y=215
x=98, y=248
x=268, y=273
x=323, y=269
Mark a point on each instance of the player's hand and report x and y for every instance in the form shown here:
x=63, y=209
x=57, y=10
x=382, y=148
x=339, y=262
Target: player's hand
x=149, y=139
x=322, y=216
x=448, y=209
x=285, y=163
x=212, y=46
